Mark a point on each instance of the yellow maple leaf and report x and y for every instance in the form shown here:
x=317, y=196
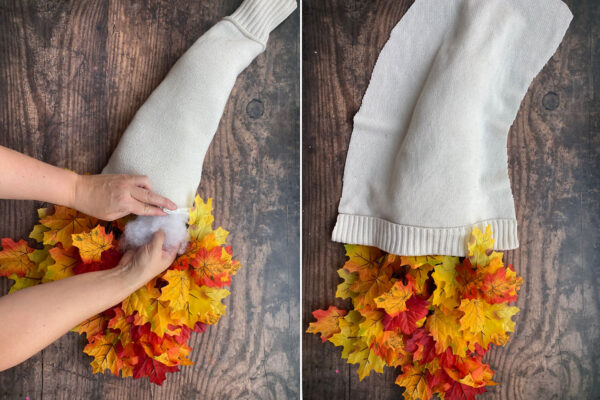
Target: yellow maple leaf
x=371, y=326
x=420, y=275
x=485, y=323
x=394, y=300
x=418, y=261
x=348, y=336
x=413, y=379
x=201, y=219
x=447, y=289
x=144, y=302
x=480, y=247
x=371, y=283
x=92, y=244
x=64, y=261
x=103, y=349
x=343, y=289
x=64, y=223
x=177, y=291
x=445, y=330
x=367, y=359
x=361, y=257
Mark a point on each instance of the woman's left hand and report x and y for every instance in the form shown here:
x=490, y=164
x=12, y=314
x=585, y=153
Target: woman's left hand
x=110, y=197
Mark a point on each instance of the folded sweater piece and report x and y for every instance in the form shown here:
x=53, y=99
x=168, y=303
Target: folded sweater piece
x=427, y=160
x=170, y=134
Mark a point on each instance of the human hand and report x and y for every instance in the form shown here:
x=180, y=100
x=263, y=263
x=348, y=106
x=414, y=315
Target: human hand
x=109, y=197
x=144, y=263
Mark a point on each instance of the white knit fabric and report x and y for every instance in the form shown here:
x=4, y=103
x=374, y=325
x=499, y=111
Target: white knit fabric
x=427, y=160
x=170, y=134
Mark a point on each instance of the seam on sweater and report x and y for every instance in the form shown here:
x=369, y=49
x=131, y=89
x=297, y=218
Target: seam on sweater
x=246, y=33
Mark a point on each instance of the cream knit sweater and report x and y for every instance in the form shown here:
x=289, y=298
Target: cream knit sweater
x=170, y=134
x=427, y=161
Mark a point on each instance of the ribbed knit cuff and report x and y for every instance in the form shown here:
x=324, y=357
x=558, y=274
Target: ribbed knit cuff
x=419, y=241
x=257, y=18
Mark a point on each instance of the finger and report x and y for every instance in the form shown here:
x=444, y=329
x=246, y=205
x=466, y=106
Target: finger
x=148, y=196
x=139, y=208
x=156, y=244
x=127, y=257
x=142, y=181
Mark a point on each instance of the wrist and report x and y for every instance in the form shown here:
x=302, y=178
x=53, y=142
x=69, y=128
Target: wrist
x=74, y=190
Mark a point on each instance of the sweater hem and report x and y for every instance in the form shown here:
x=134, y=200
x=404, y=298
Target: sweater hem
x=257, y=18
x=408, y=240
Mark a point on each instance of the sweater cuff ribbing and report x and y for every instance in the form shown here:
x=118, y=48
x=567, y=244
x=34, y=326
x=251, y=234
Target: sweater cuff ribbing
x=257, y=18
x=419, y=241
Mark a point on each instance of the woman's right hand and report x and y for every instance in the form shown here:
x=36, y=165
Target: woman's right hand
x=146, y=262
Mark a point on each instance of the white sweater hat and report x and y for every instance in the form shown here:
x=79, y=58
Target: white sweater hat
x=427, y=161
x=170, y=134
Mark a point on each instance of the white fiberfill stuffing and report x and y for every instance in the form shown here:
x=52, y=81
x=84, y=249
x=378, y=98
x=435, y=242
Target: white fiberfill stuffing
x=139, y=231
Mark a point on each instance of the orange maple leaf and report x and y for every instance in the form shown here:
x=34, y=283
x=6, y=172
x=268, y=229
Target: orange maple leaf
x=14, y=258
x=327, y=322
x=64, y=223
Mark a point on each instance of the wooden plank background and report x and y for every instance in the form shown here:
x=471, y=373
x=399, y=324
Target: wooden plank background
x=554, y=166
x=72, y=75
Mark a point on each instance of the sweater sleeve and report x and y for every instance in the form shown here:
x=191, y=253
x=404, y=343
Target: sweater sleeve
x=170, y=134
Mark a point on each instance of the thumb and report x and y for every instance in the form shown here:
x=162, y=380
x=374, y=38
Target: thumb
x=157, y=241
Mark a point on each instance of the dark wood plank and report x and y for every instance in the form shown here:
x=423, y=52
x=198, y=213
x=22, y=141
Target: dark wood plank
x=72, y=75
x=553, y=149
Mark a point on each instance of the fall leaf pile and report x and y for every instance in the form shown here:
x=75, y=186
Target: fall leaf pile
x=147, y=334
x=435, y=317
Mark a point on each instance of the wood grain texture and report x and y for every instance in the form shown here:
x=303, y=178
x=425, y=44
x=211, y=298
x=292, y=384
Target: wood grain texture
x=554, y=167
x=72, y=75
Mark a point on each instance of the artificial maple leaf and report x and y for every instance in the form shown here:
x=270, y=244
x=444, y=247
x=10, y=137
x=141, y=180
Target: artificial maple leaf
x=371, y=283
x=201, y=219
x=447, y=287
x=361, y=257
x=418, y=261
x=501, y=286
x=103, y=348
x=14, y=258
x=366, y=359
x=421, y=277
x=372, y=324
x=422, y=346
x=64, y=223
x=327, y=323
x=414, y=381
x=394, y=300
x=38, y=230
x=209, y=268
x=109, y=259
x=64, y=261
x=480, y=247
x=92, y=326
x=408, y=321
x=348, y=336
x=205, y=305
x=343, y=289
x=177, y=291
x=445, y=330
x=92, y=244
x=390, y=347
x=144, y=302
x=485, y=323
x=153, y=369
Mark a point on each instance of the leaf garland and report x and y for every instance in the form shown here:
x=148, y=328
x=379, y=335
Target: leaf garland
x=147, y=334
x=435, y=317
